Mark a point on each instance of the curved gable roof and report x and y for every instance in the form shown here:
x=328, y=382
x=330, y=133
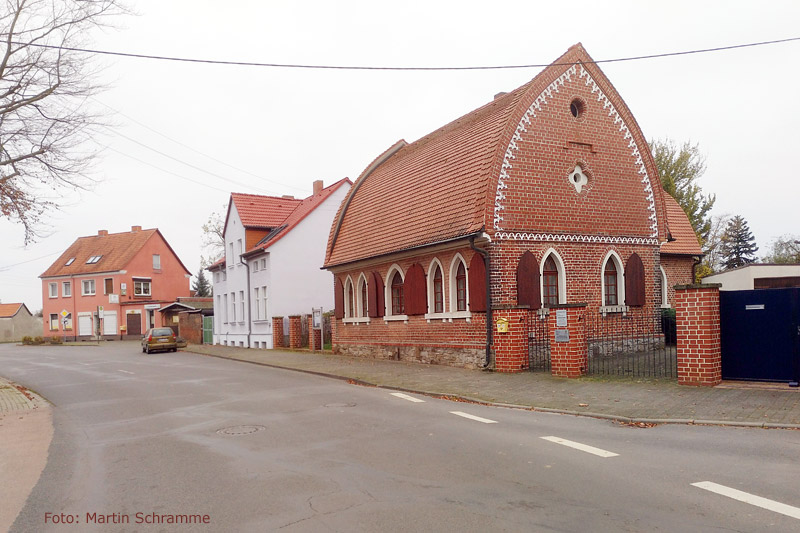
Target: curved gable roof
x=448, y=184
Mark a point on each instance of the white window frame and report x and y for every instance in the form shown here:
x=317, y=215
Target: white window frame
x=239, y=248
x=142, y=283
x=231, y=258
x=562, y=276
x=453, y=289
x=91, y=284
x=66, y=289
x=52, y=289
x=257, y=299
x=264, y=297
x=353, y=316
x=359, y=300
x=241, y=305
x=225, y=309
x=620, y=307
x=387, y=295
x=664, y=289
x=233, y=306
x=156, y=262
x=432, y=314
x=54, y=319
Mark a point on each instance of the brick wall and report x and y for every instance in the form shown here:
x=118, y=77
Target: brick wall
x=679, y=272
x=277, y=332
x=190, y=326
x=697, y=314
x=455, y=341
x=295, y=332
x=314, y=335
x=568, y=359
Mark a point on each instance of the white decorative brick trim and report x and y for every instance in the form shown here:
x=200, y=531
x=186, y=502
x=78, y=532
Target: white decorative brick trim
x=557, y=237
x=580, y=72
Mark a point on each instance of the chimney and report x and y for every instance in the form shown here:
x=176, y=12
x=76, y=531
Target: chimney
x=134, y=229
x=498, y=95
x=102, y=232
x=317, y=186
x=288, y=196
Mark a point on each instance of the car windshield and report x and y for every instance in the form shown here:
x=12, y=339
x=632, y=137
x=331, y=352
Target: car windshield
x=158, y=332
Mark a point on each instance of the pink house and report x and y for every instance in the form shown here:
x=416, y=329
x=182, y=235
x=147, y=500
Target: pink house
x=112, y=285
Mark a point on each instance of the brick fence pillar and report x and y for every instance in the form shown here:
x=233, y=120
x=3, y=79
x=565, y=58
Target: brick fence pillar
x=277, y=332
x=510, y=346
x=295, y=332
x=314, y=335
x=697, y=317
x=567, y=327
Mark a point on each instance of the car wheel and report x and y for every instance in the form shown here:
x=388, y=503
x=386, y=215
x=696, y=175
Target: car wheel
x=147, y=350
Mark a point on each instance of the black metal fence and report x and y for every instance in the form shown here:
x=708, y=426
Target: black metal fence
x=538, y=342
x=638, y=343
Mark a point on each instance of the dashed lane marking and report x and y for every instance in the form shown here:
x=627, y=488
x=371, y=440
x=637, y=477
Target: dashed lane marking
x=473, y=417
x=125, y=371
x=581, y=447
x=407, y=397
x=752, y=499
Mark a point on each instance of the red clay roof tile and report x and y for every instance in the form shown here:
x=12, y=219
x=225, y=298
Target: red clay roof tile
x=680, y=228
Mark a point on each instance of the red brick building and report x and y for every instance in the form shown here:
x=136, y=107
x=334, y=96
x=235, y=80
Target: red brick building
x=547, y=196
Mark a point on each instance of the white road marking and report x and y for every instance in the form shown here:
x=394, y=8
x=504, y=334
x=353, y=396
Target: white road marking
x=407, y=397
x=125, y=371
x=473, y=417
x=752, y=499
x=581, y=447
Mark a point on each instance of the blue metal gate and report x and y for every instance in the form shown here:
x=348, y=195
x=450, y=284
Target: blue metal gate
x=760, y=334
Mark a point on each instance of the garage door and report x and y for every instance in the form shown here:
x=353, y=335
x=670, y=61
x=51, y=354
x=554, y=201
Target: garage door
x=84, y=325
x=109, y=323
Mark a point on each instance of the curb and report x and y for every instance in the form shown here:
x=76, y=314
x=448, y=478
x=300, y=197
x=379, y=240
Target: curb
x=467, y=399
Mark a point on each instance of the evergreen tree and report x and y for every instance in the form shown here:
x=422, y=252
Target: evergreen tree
x=679, y=168
x=738, y=245
x=201, y=286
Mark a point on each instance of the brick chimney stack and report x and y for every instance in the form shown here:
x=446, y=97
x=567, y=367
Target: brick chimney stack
x=102, y=232
x=318, y=186
x=134, y=229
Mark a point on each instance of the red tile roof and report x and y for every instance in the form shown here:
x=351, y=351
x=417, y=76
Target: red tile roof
x=116, y=251
x=303, y=209
x=428, y=191
x=9, y=310
x=258, y=211
x=680, y=229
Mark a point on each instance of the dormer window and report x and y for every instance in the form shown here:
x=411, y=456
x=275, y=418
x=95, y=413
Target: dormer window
x=69, y=262
x=94, y=259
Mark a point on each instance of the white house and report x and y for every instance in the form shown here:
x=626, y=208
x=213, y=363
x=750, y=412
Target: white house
x=274, y=248
x=757, y=276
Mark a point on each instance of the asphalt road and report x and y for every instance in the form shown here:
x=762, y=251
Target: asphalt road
x=154, y=438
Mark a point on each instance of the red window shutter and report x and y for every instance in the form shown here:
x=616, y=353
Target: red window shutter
x=528, y=281
x=476, y=278
x=375, y=290
x=338, y=299
x=416, y=294
x=634, y=281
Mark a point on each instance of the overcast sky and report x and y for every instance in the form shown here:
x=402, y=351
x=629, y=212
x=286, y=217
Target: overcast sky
x=187, y=135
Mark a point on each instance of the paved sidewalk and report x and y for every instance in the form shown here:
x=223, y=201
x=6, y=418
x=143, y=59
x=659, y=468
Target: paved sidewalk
x=760, y=405
x=15, y=398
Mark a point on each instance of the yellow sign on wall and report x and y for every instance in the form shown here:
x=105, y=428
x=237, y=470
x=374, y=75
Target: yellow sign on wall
x=502, y=325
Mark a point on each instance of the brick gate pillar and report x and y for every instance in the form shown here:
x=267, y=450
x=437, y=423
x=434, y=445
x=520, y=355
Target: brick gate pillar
x=295, y=332
x=510, y=339
x=277, y=332
x=567, y=327
x=697, y=318
x=314, y=335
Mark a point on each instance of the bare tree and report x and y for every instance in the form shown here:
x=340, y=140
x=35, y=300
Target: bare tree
x=44, y=118
x=214, y=237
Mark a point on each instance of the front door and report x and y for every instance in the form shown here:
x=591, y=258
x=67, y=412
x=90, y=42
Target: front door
x=134, y=324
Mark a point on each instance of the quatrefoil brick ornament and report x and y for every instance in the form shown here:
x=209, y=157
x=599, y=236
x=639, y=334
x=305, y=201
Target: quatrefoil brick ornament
x=578, y=179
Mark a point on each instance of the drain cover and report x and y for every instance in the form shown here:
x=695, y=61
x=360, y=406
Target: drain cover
x=340, y=405
x=240, y=430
